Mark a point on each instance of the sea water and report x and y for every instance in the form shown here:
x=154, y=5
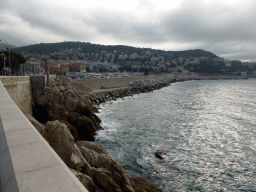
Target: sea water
x=207, y=128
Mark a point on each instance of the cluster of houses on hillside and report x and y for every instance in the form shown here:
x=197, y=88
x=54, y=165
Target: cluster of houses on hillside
x=74, y=60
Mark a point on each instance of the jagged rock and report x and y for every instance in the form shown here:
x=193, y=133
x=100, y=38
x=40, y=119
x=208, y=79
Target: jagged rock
x=95, y=109
x=61, y=140
x=71, y=104
x=42, y=101
x=57, y=112
x=40, y=127
x=58, y=100
x=103, y=178
x=142, y=185
x=161, y=154
x=72, y=129
x=97, y=160
x=98, y=120
x=85, y=126
x=87, y=182
x=92, y=146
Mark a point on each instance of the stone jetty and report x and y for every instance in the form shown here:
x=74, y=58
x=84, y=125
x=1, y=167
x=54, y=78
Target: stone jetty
x=134, y=87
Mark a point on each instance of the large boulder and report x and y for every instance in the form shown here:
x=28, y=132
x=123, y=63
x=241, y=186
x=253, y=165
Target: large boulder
x=142, y=185
x=85, y=126
x=61, y=140
x=112, y=172
x=87, y=182
x=71, y=104
x=92, y=146
x=60, y=100
x=103, y=178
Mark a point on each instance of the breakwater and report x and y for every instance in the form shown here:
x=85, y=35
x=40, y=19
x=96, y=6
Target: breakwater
x=135, y=87
x=145, y=85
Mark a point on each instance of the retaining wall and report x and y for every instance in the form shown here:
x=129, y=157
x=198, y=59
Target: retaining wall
x=19, y=89
x=27, y=162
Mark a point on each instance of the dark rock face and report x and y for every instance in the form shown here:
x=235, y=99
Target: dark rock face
x=161, y=154
x=41, y=113
x=61, y=101
x=142, y=185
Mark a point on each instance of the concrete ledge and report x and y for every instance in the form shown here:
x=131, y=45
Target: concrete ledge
x=27, y=162
x=12, y=79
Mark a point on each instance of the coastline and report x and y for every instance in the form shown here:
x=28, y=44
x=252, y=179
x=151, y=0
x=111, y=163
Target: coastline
x=117, y=89
x=69, y=107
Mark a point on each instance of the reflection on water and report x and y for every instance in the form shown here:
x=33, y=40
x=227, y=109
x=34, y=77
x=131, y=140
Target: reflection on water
x=206, y=127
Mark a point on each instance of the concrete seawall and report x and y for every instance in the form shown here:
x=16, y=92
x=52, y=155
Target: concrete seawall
x=19, y=89
x=27, y=162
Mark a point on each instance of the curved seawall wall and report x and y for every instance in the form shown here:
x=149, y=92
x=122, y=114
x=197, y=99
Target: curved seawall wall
x=27, y=162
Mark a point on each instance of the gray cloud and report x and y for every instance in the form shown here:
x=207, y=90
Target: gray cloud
x=223, y=29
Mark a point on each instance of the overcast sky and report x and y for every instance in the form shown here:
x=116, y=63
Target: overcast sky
x=225, y=27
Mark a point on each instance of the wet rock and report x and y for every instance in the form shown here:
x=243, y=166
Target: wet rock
x=161, y=154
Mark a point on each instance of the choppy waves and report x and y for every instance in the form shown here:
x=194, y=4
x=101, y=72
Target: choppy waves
x=206, y=127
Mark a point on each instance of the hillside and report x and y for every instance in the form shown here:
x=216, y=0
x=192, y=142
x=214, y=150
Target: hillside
x=87, y=47
x=4, y=45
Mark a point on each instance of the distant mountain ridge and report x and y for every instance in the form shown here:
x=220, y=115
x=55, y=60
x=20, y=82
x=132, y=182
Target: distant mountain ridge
x=87, y=47
x=4, y=46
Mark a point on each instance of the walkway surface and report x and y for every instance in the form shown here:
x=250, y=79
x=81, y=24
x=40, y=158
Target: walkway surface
x=27, y=161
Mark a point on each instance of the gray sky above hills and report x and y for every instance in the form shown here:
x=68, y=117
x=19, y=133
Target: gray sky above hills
x=226, y=28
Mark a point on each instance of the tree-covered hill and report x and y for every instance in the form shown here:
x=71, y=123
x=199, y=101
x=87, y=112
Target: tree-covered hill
x=195, y=53
x=87, y=47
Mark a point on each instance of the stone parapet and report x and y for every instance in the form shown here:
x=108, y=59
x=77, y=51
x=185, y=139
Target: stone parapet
x=39, y=81
x=27, y=162
x=19, y=89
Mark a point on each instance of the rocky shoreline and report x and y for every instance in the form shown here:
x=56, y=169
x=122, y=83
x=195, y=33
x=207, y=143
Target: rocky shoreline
x=65, y=116
x=145, y=85
x=135, y=87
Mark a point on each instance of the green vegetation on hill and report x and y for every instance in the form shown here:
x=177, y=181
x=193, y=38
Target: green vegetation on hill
x=195, y=53
x=87, y=47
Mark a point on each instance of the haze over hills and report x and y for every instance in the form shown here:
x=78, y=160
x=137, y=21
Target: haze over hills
x=4, y=45
x=87, y=47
